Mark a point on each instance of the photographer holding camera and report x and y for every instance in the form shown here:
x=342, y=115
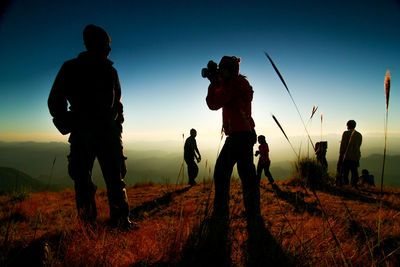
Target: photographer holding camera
x=232, y=92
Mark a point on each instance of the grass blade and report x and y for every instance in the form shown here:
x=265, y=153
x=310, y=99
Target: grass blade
x=284, y=83
x=283, y=131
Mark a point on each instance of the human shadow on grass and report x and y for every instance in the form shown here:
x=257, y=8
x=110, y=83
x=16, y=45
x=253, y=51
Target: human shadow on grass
x=262, y=249
x=158, y=203
x=208, y=244
x=296, y=200
x=352, y=194
x=39, y=252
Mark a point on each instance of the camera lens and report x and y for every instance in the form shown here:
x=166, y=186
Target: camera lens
x=204, y=73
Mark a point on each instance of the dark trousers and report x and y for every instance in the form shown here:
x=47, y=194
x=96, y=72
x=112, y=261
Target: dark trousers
x=350, y=166
x=264, y=165
x=193, y=170
x=107, y=147
x=322, y=160
x=238, y=148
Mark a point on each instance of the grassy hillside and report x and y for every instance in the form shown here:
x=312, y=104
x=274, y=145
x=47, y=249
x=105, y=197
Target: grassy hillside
x=176, y=229
x=12, y=180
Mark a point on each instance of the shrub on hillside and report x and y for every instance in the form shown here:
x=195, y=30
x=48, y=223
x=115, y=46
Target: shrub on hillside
x=310, y=173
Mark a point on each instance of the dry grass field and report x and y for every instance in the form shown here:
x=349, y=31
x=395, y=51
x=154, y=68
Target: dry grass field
x=175, y=228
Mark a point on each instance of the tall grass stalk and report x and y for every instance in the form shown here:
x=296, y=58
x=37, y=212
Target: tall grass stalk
x=283, y=131
x=309, y=174
x=387, y=95
x=309, y=123
x=330, y=228
x=183, y=161
x=290, y=225
x=51, y=173
x=287, y=89
x=362, y=227
x=182, y=168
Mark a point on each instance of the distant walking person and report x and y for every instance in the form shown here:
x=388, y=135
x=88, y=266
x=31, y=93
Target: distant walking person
x=232, y=92
x=263, y=161
x=191, y=152
x=90, y=86
x=349, y=155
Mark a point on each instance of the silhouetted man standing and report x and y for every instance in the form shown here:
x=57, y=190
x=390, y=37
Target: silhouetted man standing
x=90, y=85
x=190, y=151
x=349, y=155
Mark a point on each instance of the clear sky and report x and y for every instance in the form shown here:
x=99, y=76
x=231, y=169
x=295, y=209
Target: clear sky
x=332, y=54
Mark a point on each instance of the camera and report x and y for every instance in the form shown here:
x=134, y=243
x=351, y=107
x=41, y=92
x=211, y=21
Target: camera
x=211, y=71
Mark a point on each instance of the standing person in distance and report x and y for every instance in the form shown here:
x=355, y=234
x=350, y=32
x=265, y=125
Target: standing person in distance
x=349, y=155
x=191, y=152
x=232, y=92
x=263, y=161
x=90, y=86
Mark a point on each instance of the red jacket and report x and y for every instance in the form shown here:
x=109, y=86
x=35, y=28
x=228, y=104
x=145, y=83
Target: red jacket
x=264, y=152
x=234, y=96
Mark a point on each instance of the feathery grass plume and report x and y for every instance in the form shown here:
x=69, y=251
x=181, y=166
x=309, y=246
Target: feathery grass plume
x=387, y=95
x=387, y=88
x=314, y=109
x=322, y=118
x=287, y=138
x=287, y=89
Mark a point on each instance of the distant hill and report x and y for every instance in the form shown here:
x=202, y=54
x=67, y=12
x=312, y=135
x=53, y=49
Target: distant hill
x=373, y=164
x=12, y=180
x=36, y=160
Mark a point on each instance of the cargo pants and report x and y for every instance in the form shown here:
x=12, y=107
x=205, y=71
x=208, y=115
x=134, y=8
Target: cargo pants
x=106, y=146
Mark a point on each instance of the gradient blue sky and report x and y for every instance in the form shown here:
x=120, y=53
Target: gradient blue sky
x=332, y=54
